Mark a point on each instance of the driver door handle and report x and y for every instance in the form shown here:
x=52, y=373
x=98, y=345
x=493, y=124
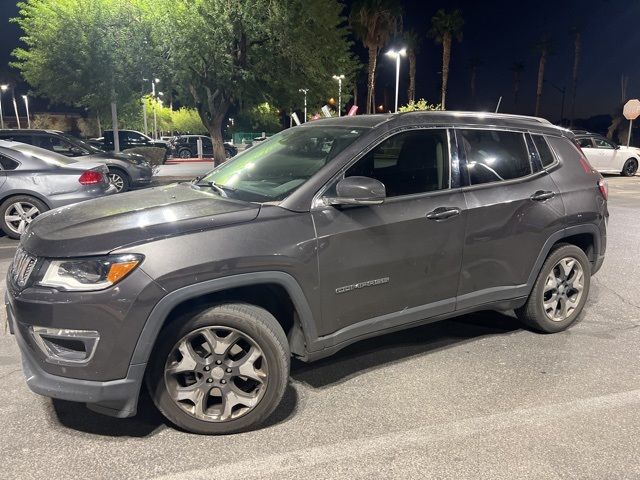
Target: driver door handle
x=541, y=195
x=442, y=213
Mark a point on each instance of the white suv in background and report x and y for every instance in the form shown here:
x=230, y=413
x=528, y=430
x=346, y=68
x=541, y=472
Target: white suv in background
x=608, y=157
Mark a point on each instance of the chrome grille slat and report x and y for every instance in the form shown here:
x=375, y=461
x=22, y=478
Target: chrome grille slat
x=22, y=267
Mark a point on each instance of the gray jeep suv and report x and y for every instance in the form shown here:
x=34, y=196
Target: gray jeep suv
x=325, y=234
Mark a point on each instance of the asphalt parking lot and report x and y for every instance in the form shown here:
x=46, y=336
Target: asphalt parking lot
x=475, y=397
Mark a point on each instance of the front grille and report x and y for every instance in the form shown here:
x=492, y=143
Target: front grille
x=22, y=267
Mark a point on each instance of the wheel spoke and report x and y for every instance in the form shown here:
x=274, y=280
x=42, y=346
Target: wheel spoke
x=12, y=218
x=221, y=345
x=232, y=398
x=567, y=266
x=246, y=365
x=551, y=283
x=189, y=361
x=32, y=211
x=22, y=226
x=19, y=209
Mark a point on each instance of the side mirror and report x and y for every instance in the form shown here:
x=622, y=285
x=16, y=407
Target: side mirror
x=358, y=191
x=76, y=151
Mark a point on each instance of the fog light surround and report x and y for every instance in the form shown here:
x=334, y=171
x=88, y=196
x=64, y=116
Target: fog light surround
x=64, y=345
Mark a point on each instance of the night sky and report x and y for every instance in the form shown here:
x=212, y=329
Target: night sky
x=500, y=32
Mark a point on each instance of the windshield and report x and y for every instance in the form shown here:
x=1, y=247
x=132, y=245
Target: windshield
x=272, y=170
x=47, y=156
x=81, y=143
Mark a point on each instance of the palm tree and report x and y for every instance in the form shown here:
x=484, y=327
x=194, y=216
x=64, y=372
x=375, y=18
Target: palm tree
x=412, y=42
x=576, y=32
x=374, y=22
x=474, y=63
x=444, y=28
x=544, y=48
x=517, y=68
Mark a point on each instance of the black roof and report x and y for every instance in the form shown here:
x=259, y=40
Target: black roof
x=443, y=118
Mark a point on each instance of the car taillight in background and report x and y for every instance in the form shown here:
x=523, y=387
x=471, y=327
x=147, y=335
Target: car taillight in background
x=604, y=188
x=91, y=177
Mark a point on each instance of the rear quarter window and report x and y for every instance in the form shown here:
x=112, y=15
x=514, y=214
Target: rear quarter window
x=545, y=153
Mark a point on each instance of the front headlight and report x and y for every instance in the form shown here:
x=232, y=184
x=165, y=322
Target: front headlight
x=87, y=274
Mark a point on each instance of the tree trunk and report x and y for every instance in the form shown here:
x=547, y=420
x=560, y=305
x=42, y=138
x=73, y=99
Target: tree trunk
x=574, y=82
x=214, y=126
x=114, y=127
x=411, y=92
x=373, y=56
x=446, y=56
x=543, y=61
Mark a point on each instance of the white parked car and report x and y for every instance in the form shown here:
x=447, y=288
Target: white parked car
x=608, y=157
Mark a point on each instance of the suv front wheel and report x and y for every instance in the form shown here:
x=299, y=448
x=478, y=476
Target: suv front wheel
x=222, y=371
x=560, y=291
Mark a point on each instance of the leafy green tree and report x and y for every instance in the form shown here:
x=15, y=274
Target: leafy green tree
x=247, y=52
x=420, y=105
x=187, y=121
x=444, y=28
x=374, y=22
x=261, y=118
x=86, y=53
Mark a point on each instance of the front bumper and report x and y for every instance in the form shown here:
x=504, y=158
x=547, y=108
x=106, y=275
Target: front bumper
x=118, y=398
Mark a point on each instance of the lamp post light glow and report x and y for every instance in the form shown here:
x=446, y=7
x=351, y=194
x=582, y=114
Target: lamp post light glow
x=397, y=54
x=3, y=88
x=339, y=78
x=26, y=104
x=304, y=90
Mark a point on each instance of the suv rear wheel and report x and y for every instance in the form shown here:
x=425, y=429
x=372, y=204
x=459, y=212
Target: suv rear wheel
x=560, y=291
x=222, y=371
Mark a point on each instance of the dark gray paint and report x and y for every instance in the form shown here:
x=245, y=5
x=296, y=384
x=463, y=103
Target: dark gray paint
x=486, y=255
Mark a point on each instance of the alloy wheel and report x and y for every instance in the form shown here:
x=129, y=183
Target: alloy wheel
x=631, y=168
x=216, y=374
x=116, y=180
x=19, y=215
x=563, y=289
x=185, y=153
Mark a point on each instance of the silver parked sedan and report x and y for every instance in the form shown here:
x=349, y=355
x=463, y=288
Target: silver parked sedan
x=34, y=180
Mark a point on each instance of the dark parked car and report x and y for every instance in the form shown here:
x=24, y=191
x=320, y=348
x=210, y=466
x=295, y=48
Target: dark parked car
x=125, y=170
x=129, y=139
x=325, y=234
x=34, y=180
x=186, y=146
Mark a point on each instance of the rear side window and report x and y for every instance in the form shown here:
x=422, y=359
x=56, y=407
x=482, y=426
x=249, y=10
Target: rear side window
x=7, y=163
x=584, y=142
x=494, y=155
x=546, y=156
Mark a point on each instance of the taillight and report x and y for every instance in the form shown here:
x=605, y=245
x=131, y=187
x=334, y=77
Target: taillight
x=91, y=177
x=604, y=188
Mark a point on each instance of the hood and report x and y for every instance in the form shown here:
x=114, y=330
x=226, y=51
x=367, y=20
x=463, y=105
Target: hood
x=99, y=226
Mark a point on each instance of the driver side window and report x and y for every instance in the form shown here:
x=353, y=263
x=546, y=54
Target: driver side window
x=408, y=163
x=54, y=144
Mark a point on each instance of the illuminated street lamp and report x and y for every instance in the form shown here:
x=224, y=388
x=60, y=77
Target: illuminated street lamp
x=339, y=78
x=304, y=90
x=3, y=88
x=397, y=55
x=26, y=104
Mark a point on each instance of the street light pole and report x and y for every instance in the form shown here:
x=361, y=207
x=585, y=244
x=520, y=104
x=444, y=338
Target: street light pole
x=304, y=90
x=3, y=88
x=26, y=104
x=15, y=106
x=155, y=118
x=339, y=78
x=397, y=55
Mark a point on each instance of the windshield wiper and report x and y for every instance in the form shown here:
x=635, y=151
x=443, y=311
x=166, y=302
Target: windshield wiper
x=221, y=189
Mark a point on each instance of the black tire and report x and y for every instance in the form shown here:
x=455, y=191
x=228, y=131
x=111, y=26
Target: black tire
x=9, y=203
x=119, y=179
x=229, y=153
x=253, y=322
x=630, y=168
x=533, y=314
x=185, y=153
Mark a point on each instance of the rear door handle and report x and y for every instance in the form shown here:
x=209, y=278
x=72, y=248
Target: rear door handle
x=442, y=213
x=541, y=195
